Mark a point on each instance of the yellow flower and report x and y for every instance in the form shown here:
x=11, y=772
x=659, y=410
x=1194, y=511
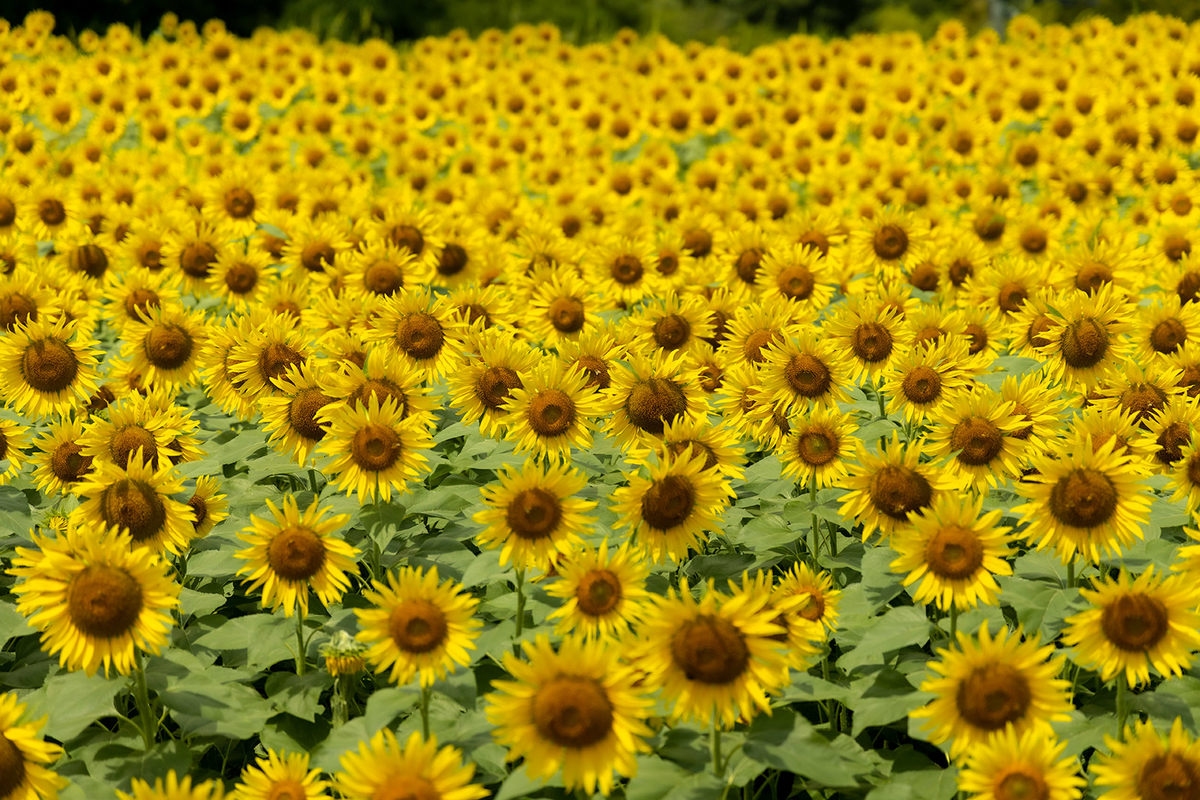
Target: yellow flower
x=173, y=788
x=373, y=451
x=24, y=755
x=1147, y=764
x=888, y=489
x=604, y=593
x=382, y=768
x=553, y=411
x=1007, y=766
x=46, y=367
x=281, y=778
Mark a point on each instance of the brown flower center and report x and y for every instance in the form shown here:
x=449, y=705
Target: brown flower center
x=814, y=608
x=896, y=491
x=698, y=242
x=453, y=260
x=296, y=554
x=1020, y=784
x=381, y=389
x=241, y=278
x=130, y=439
x=757, y=342
x=693, y=448
x=668, y=502
x=672, y=331
x=1168, y=336
x=103, y=601
x=1171, y=441
x=383, y=277
x=286, y=789
x=1034, y=241
x=598, y=593
x=1176, y=246
x=8, y=215
x=197, y=258
x=891, y=242
x=493, y=386
x=924, y=277
x=1011, y=297
x=1143, y=399
x=1188, y=287
x=417, y=626
x=1083, y=498
x=922, y=385
x=149, y=255
x=49, y=365
x=808, y=375
x=139, y=301
x=597, y=370
x=1084, y=343
x=275, y=358
x=977, y=440
x=408, y=237
x=816, y=447
x=90, y=259
x=1169, y=776
x=573, y=712
x=954, y=553
x=1036, y=328
x=747, y=265
x=316, y=256
x=567, y=315
x=654, y=402
x=16, y=309
x=1134, y=622
x=407, y=787
x=551, y=412
x=239, y=203
x=302, y=414
x=626, y=269
x=12, y=768
x=199, y=509
x=133, y=504
x=710, y=650
x=1092, y=276
x=52, y=211
x=871, y=342
x=375, y=447
x=796, y=282
x=534, y=514
x=68, y=463
x=420, y=335
x=993, y=695
x=168, y=347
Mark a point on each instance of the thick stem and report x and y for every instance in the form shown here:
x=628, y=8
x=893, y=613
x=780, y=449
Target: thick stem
x=882, y=402
x=312, y=480
x=426, y=691
x=812, y=501
x=718, y=767
x=341, y=702
x=1122, y=705
x=953, y=622
x=149, y=722
x=300, y=654
x=520, y=602
x=1071, y=573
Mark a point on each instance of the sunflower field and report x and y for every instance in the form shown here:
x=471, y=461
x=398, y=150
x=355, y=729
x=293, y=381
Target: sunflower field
x=503, y=417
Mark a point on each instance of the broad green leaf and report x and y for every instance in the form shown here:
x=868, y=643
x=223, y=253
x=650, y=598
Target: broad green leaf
x=787, y=741
x=12, y=622
x=73, y=701
x=898, y=627
x=658, y=779
x=256, y=640
x=881, y=698
x=298, y=695
x=519, y=784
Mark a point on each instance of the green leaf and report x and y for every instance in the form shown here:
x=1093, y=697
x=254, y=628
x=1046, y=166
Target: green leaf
x=298, y=695
x=519, y=784
x=1041, y=607
x=898, y=627
x=657, y=779
x=16, y=515
x=881, y=698
x=73, y=701
x=198, y=604
x=12, y=623
x=116, y=764
x=257, y=640
x=787, y=741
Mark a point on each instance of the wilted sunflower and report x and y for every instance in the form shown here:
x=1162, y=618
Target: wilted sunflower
x=174, y=788
x=553, y=411
x=139, y=499
x=207, y=505
x=95, y=596
x=986, y=685
x=1136, y=623
x=1086, y=500
x=887, y=488
x=578, y=709
x=294, y=553
x=533, y=514
x=374, y=452
x=382, y=768
x=1145, y=764
x=418, y=626
x=1009, y=767
x=47, y=366
x=715, y=659
x=24, y=755
x=605, y=593
x=817, y=447
x=669, y=511
x=974, y=433
x=284, y=777
x=954, y=550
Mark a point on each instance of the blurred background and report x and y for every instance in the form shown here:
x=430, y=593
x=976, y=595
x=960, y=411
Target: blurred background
x=741, y=24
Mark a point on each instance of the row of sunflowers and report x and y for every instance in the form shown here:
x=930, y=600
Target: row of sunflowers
x=502, y=416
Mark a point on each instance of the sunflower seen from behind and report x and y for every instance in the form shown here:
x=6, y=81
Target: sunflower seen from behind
x=296, y=552
x=95, y=596
x=985, y=683
x=383, y=768
x=24, y=756
x=577, y=709
x=533, y=515
x=1135, y=623
x=603, y=591
x=417, y=626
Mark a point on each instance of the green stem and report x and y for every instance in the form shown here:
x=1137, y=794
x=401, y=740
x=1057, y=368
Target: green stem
x=149, y=722
x=953, y=622
x=812, y=500
x=1071, y=574
x=718, y=767
x=520, y=602
x=1122, y=705
x=312, y=479
x=341, y=700
x=426, y=691
x=300, y=660
x=882, y=403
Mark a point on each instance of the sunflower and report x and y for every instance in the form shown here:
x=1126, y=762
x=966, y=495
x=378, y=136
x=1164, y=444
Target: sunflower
x=1167, y=432
x=974, y=433
x=1141, y=389
x=267, y=346
x=294, y=417
x=417, y=626
x=888, y=489
x=816, y=617
x=24, y=754
x=816, y=447
x=241, y=280
x=134, y=423
x=418, y=329
x=1086, y=500
x=482, y=387
x=622, y=268
x=95, y=596
x=985, y=685
x=594, y=353
x=208, y=507
x=14, y=439
x=380, y=267
x=373, y=450
x=578, y=709
x=718, y=443
x=1135, y=623
x=754, y=327
x=47, y=366
x=382, y=768
x=674, y=323
x=286, y=777
x=1185, y=478
x=1085, y=345
x=892, y=238
x=552, y=411
x=868, y=333
x=954, y=550
x=1145, y=764
x=605, y=593
x=799, y=274
x=717, y=658
x=61, y=463
x=132, y=292
x=1037, y=403
x=804, y=372
x=174, y=788
x=647, y=394
x=294, y=553
x=139, y=499
x=1167, y=325
x=1006, y=766
x=379, y=375
x=669, y=511
x=924, y=379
